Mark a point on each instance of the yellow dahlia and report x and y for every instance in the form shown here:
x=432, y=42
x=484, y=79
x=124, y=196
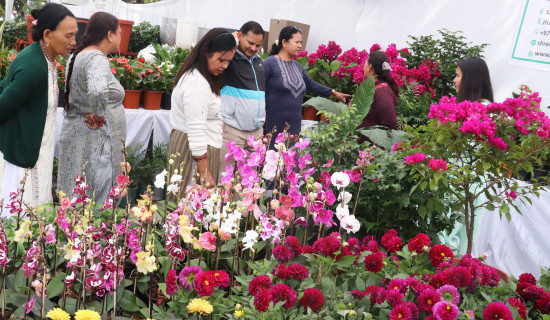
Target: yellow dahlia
x=58, y=314
x=86, y=315
x=201, y=306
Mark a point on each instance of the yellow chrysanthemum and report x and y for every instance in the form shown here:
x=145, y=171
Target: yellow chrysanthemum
x=200, y=306
x=239, y=313
x=86, y=315
x=58, y=314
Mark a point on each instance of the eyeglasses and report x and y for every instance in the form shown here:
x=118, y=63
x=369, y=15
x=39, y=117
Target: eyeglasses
x=297, y=28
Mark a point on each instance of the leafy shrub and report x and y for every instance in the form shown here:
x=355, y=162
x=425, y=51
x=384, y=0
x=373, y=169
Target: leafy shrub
x=143, y=34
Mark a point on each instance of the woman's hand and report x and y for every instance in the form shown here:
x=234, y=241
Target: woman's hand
x=205, y=174
x=92, y=124
x=340, y=96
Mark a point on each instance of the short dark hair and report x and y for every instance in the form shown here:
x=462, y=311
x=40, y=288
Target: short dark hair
x=252, y=26
x=286, y=34
x=216, y=40
x=48, y=18
x=475, y=84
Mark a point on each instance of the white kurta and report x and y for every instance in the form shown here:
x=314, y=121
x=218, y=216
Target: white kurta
x=38, y=185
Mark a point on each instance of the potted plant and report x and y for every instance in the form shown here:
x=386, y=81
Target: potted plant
x=128, y=73
x=134, y=155
x=170, y=60
x=472, y=153
x=152, y=86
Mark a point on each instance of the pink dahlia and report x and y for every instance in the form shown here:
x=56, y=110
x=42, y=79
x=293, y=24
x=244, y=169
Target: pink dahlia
x=394, y=297
x=497, y=310
x=444, y=310
x=187, y=276
x=449, y=293
x=313, y=298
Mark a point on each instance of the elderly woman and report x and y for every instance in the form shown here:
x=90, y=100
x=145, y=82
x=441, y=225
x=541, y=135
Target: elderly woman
x=28, y=98
x=94, y=123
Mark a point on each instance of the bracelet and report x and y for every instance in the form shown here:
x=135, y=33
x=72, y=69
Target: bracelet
x=333, y=91
x=99, y=123
x=204, y=156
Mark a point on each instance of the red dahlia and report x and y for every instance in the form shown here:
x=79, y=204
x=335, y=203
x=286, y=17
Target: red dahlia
x=521, y=290
x=327, y=246
x=385, y=240
x=297, y=271
x=282, y=253
x=377, y=294
x=458, y=276
x=262, y=299
x=394, y=297
x=543, y=305
x=417, y=243
x=516, y=303
x=171, y=284
x=258, y=283
x=427, y=299
x=282, y=292
x=374, y=262
x=313, y=298
x=440, y=253
x=497, y=310
x=219, y=277
x=401, y=312
x=527, y=277
x=204, y=284
x=294, y=245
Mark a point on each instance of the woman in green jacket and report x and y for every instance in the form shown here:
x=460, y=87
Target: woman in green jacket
x=28, y=101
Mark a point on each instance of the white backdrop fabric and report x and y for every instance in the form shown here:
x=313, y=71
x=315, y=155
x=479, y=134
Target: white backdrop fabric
x=140, y=124
x=521, y=245
x=360, y=23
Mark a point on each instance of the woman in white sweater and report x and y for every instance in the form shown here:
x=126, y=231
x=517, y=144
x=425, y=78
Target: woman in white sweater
x=196, y=136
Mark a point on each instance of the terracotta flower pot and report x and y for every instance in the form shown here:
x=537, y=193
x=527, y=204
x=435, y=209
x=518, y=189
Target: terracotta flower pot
x=309, y=113
x=152, y=99
x=126, y=31
x=131, y=99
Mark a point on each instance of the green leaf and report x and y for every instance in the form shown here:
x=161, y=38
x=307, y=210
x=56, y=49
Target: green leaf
x=324, y=104
x=384, y=138
x=360, y=284
x=128, y=302
x=363, y=98
x=345, y=261
x=56, y=285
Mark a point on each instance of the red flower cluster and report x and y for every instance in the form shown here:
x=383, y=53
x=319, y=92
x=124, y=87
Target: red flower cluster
x=282, y=253
x=440, y=253
x=258, y=283
x=374, y=262
x=418, y=243
x=205, y=282
x=282, y=292
x=313, y=298
x=297, y=271
x=327, y=246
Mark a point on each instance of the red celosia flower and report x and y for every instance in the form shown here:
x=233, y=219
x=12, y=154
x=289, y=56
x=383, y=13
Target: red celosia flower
x=294, y=245
x=394, y=297
x=427, y=299
x=262, y=299
x=297, y=271
x=401, y=312
x=279, y=271
x=204, y=284
x=440, y=253
x=260, y=282
x=171, y=282
x=497, y=310
x=516, y=303
x=543, y=305
x=527, y=277
x=374, y=262
x=282, y=253
x=417, y=243
x=313, y=298
x=219, y=278
x=282, y=292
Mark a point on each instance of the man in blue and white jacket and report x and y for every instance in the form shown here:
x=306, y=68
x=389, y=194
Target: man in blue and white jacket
x=243, y=94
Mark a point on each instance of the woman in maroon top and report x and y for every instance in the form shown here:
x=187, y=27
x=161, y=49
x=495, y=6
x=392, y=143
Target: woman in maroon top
x=386, y=91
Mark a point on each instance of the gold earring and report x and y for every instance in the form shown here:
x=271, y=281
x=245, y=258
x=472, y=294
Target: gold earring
x=47, y=44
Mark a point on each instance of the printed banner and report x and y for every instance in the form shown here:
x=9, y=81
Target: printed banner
x=532, y=46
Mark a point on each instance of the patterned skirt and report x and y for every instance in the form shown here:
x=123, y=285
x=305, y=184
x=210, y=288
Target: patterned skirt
x=184, y=162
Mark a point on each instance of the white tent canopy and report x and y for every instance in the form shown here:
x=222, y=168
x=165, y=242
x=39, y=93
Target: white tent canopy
x=355, y=23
